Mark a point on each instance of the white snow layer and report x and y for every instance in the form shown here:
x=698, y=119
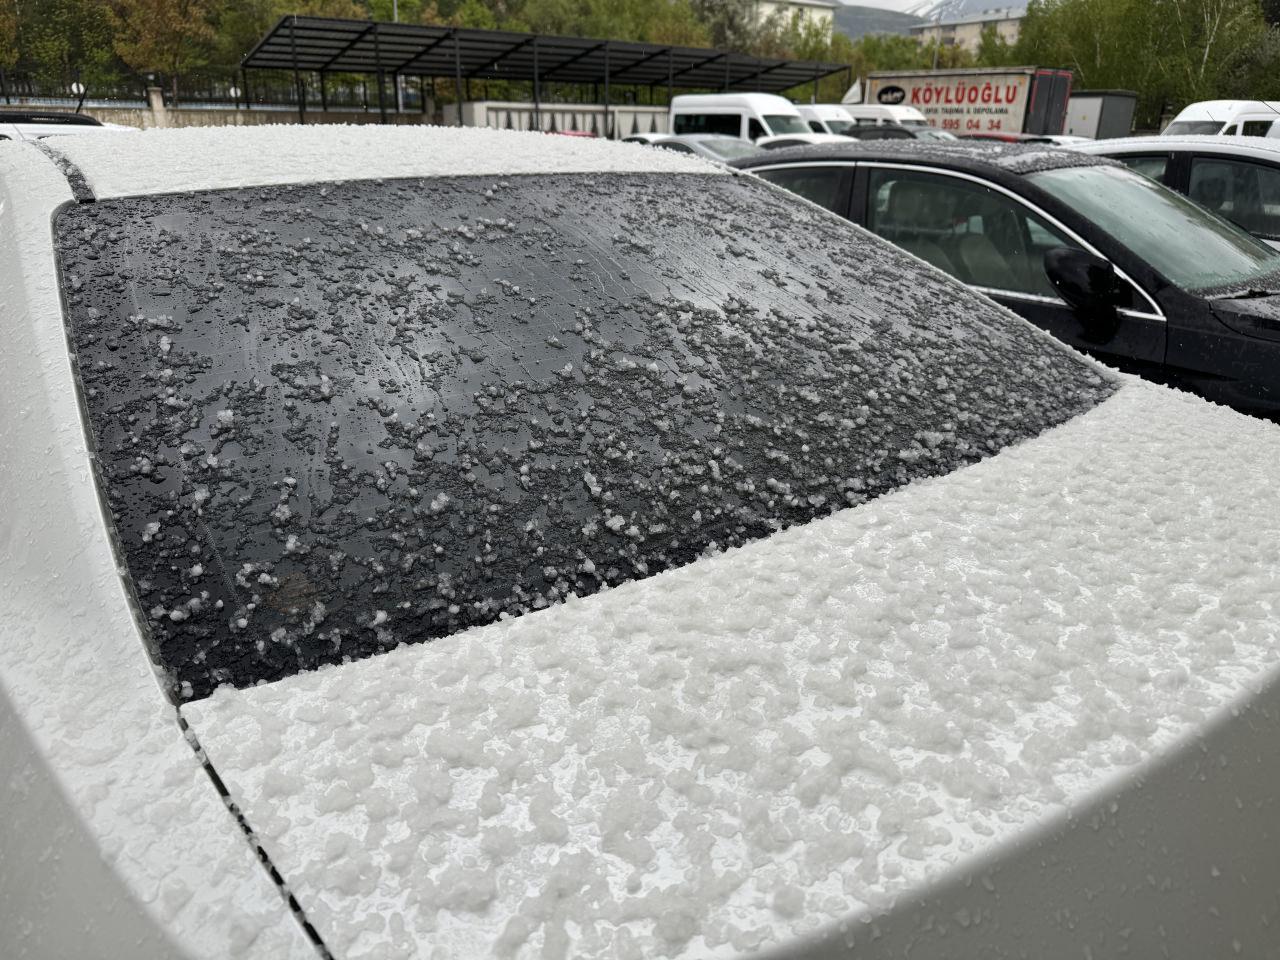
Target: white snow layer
x=214, y=158
x=73, y=668
x=729, y=755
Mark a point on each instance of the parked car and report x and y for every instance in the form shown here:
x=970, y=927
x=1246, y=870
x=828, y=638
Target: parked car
x=746, y=115
x=888, y=131
x=826, y=117
x=1235, y=177
x=1058, y=139
x=709, y=146
x=1102, y=257
x=799, y=140
x=1246, y=118
x=319, y=457
x=25, y=125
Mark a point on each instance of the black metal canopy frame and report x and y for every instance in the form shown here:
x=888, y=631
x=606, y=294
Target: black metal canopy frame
x=323, y=45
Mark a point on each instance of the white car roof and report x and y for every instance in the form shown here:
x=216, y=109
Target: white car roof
x=211, y=158
x=1260, y=147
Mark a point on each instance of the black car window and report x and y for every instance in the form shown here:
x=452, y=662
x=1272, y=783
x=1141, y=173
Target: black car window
x=973, y=232
x=755, y=129
x=825, y=186
x=1151, y=165
x=816, y=127
x=1247, y=194
x=728, y=124
x=330, y=419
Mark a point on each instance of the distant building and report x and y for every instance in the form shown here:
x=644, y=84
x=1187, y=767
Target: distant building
x=966, y=32
x=817, y=11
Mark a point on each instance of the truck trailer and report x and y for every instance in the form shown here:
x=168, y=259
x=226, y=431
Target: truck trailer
x=994, y=100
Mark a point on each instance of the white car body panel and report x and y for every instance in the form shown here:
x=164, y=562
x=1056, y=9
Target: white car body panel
x=81, y=713
x=787, y=740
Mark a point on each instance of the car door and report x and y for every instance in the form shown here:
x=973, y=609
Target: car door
x=994, y=241
x=1246, y=192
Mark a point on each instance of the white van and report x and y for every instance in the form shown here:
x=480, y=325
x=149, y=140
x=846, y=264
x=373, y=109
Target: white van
x=746, y=115
x=1243, y=118
x=825, y=117
x=880, y=114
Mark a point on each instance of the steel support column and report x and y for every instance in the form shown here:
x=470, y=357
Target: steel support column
x=537, y=89
x=297, y=77
x=377, y=62
x=457, y=74
x=324, y=98
x=608, y=127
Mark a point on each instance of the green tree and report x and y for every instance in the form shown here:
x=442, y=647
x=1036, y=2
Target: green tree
x=8, y=33
x=162, y=36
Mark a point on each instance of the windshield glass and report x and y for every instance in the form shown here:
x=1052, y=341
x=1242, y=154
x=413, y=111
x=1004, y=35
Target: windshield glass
x=1193, y=128
x=781, y=123
x=334, y=418
x=839, y=126
x=1188, y=245
x=731, y=148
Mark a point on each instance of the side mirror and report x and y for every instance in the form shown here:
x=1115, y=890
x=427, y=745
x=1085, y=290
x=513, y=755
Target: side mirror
x=1087, y=282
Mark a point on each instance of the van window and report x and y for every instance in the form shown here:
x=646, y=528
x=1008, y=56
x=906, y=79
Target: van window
x=816, y=127
x=755, y=129
x=1230, y=131
x=728, y=124
x=1255, y=128
x=780, y=123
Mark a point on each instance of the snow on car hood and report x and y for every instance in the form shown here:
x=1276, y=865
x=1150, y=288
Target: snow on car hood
x=213, y=158
x=735, y=753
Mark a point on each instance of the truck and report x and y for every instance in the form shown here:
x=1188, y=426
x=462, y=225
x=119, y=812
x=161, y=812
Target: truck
x=1001, y=100
x=1101, y=114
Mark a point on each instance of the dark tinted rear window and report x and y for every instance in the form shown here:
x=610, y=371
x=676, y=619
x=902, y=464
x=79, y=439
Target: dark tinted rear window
x=335, y=418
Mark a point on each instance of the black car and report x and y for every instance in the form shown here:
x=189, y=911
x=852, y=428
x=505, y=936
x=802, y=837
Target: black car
x=1102, y=257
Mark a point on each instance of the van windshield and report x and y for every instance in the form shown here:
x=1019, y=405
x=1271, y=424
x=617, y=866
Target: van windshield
x=781, y=123
x=1193, y=128
x=840, y=126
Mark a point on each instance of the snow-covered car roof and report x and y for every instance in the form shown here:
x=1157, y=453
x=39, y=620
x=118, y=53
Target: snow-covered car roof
x=995, y=159
x=996, y=696
x=209, y=158
x=1266, y=148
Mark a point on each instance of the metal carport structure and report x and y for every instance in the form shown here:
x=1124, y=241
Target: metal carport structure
x=323, y=45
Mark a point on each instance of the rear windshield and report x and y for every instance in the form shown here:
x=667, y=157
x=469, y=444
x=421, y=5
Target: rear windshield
x=336, y=418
